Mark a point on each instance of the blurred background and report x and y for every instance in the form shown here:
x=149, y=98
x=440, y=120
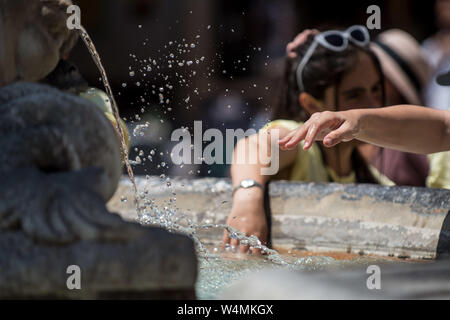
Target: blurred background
x=171, y=62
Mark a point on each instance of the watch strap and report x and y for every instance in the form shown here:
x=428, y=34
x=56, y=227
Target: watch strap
x=241, y=186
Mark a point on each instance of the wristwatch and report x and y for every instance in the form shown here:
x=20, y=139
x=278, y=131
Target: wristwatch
x=246, y=184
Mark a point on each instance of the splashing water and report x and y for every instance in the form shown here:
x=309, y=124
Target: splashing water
x=155, y=216
x=222, y=270
x=168, y=217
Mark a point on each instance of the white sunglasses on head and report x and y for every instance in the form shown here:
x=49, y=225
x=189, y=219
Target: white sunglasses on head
x=336, y=41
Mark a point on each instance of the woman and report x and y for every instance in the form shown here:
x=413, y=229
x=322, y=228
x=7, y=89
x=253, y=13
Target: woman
x=406, y=72
x=328, y=71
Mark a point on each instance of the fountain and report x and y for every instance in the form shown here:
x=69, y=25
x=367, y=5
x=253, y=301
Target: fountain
x=316, y=227
x=60, y=163
x=60, y=171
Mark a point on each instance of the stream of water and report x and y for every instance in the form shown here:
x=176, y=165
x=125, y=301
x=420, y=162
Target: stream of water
x=123, y=145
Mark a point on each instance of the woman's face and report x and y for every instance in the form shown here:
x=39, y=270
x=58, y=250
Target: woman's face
x=359, y=88
x=442, y=10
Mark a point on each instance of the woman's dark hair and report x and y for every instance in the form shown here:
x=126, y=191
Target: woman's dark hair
x=324, y=69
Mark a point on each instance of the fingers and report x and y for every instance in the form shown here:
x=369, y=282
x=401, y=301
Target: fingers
x=321, y=124
x=256, y=252
x=234, y=243
x=292, y=46
x=343, y=133
x=225, y=239
x=314, y=129
x=244, y=248
x=311, y=135
x=294, y=137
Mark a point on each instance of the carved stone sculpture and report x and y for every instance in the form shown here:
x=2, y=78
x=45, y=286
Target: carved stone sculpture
x=59, y=164
x=33, y=38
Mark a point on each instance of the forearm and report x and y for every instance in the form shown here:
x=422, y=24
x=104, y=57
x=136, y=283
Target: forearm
x=406, y=128
x=242, y=167
x=248, y=213
x=250, y=158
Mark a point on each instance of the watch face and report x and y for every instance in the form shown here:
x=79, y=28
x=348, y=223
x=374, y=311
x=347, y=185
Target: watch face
x=247, y=183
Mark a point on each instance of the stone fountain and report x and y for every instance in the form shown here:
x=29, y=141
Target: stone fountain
x=60, y=184
x=60, y=163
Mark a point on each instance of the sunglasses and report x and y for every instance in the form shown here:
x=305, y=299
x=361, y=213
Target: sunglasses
x=333, y=40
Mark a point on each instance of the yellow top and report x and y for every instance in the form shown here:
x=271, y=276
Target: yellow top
x=309, y=165
x=439, y=176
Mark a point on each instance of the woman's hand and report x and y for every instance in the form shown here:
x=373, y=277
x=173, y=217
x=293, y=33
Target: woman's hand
x=331, y=127
x=247, y=215
x=292, y=47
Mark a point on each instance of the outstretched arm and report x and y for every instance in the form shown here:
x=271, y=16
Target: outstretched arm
x=406, y=128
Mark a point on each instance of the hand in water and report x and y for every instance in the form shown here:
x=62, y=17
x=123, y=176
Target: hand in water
x=247, y=215
x=331, y=127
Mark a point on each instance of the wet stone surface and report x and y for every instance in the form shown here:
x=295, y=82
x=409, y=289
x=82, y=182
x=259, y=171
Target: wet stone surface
x=390, y=221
